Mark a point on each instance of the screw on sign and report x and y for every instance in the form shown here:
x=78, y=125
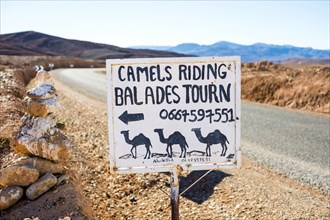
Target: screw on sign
x=169, y=114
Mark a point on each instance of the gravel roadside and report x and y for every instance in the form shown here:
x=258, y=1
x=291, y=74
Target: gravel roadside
x=252, y=192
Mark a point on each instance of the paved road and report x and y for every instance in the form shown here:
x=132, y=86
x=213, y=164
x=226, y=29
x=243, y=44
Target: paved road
x=89, y=81
x=288, y=141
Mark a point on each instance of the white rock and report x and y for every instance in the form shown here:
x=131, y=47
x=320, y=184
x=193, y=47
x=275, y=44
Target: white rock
x=10, y=196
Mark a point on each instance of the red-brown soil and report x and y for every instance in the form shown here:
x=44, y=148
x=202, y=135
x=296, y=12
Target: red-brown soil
x=305, y=87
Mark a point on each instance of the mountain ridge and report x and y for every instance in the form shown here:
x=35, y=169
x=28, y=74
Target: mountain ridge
x=249, y=53
x=31, y=43
x=35, y=43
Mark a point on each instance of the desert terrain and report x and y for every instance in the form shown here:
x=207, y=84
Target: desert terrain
x=252, y=192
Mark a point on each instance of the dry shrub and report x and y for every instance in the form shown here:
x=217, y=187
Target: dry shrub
x=58, y=61
x=25, y=74
x=310, y=90
x=262, y=87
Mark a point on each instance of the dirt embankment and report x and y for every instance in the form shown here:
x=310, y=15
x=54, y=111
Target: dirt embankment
x=63, y=200
x=12, y=90
x=305, y=87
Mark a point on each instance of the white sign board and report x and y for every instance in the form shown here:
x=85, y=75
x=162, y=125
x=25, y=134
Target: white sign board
x=166, y=112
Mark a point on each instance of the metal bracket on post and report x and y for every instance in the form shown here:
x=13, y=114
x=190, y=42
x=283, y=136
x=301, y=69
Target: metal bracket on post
x=175, y=194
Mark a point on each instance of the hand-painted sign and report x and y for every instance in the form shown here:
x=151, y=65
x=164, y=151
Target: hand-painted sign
x=166, y=112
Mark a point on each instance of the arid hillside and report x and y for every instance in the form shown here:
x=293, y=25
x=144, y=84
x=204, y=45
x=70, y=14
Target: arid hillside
x=43, y=44
x=305, y=87
x=10, y=49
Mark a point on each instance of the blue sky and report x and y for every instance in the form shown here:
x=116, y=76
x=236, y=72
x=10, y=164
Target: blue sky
x=130, y=23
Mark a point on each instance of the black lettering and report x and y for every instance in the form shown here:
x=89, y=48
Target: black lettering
x=152, y=72
x=212, y=93
x=197, y=73
x=203, y=95
x=212, y=69
x=118, y=96
x=168, y=94
x=183, y=72
x=140, y=70
x=177, y=100
x=167, y=70
x=187, y=87
x=222, y=74
x=130, y=73
x=160, y=95
x=223, y=93
x=128, y=96
x=194, y=94
x=135, y=93
x=159, y=77
x=149, y=93
x=119, y=73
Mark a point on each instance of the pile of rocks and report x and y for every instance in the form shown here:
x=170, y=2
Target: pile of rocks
x=44, y=147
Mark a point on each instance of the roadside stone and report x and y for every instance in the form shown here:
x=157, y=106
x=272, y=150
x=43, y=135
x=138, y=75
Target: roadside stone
x=18, y=175
x=42, y=165
x=37, y=126
x=42, y=91
x=41, y=186
x=18, y=146
x=55, y=147
x=43, y=77
x=39, y=137
x=40, y=107
x=10, y=196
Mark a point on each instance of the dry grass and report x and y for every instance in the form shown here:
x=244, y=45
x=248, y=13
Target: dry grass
x=58, y=61
x=304, y=87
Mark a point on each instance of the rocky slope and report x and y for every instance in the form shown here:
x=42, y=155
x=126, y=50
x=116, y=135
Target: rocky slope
x=34, y=184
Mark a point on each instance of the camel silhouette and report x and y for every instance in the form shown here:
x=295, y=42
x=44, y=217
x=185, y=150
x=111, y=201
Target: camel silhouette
x=215, y=137
x=175, y=138
x=136, y=141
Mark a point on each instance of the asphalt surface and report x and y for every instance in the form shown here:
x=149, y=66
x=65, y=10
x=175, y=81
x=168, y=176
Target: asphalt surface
x=294, y=143
x=89, y=81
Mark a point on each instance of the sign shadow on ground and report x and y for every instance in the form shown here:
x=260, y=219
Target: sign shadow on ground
x=202, y=190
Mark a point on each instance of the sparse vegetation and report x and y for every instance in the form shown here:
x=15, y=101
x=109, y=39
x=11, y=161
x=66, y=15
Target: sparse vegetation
x=4, y=144
x=29, y=62
x=295, y=86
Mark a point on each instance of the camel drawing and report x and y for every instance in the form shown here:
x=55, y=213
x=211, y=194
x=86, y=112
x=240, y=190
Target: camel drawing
x=175, y=138
x=215, y=137
x=136, y=141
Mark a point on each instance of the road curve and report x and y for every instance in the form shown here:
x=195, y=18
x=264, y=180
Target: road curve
x=91, y=82
x=290, y=142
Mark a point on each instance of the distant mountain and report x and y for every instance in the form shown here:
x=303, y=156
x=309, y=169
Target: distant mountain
x=35, y=43
x=249, y=53
x=151, y=47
